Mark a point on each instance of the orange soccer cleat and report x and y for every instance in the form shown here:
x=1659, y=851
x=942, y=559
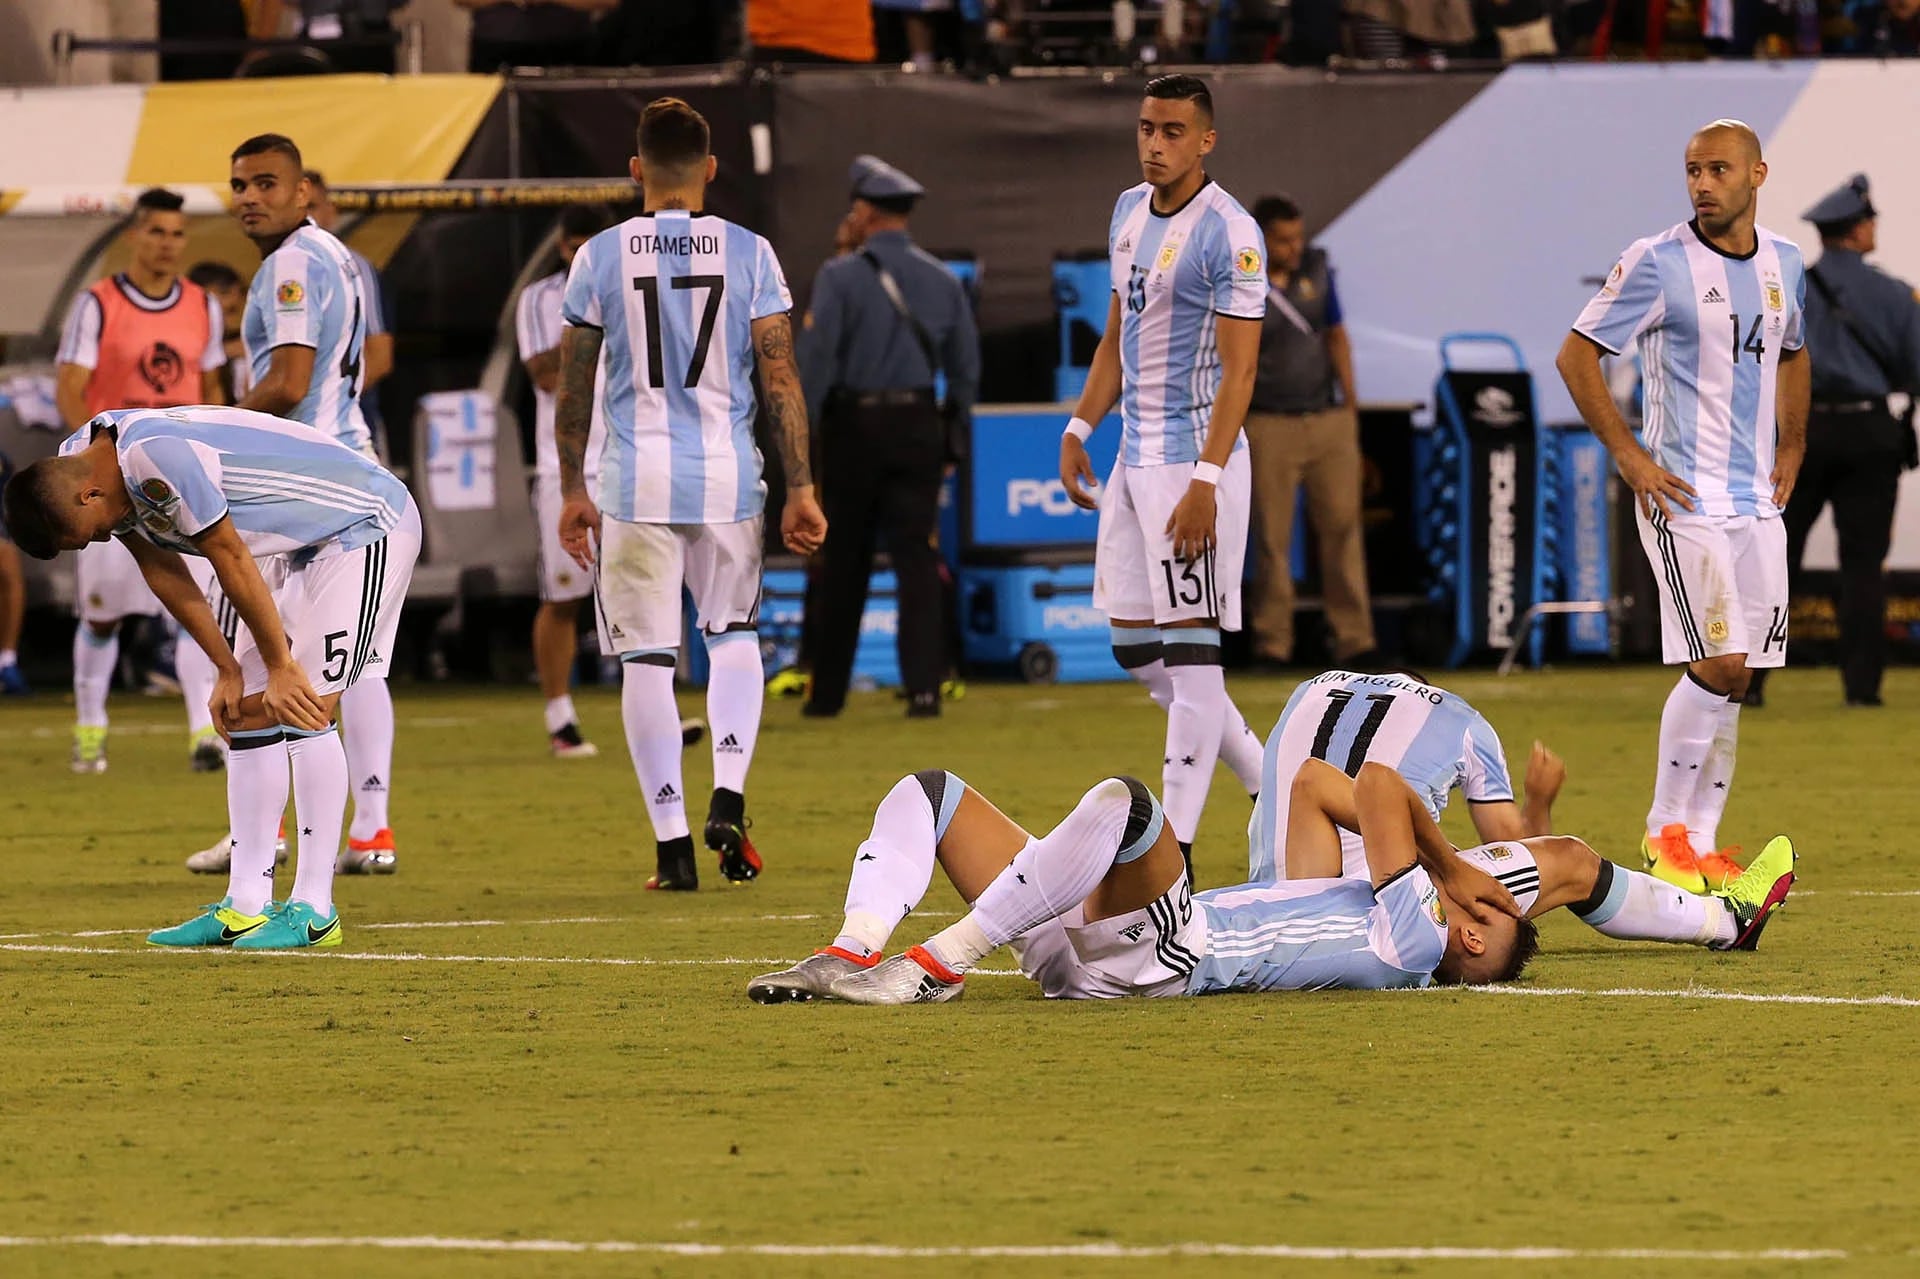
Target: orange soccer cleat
x=1719, y=868
x=1670, y=857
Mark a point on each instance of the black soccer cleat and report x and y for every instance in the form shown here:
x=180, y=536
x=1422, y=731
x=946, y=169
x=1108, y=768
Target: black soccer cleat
x=677, y=872
x=739, y=862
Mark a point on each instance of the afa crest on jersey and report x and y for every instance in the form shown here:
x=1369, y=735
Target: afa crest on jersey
x=1169, y=254
x=290, y=293
x=1775, y=300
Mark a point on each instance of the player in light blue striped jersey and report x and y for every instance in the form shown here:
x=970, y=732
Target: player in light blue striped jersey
x=305, y=330
x=1189, y=276
x=313, y=545
x=683, y=305
x=1715, y=307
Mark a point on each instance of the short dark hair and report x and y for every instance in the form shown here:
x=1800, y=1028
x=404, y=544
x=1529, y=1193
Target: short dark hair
x=673, y=135
x=316, y=179
x=27, y=509
x=1181, y=87
x=584, y=221
x=1269, y=209
x=213, y=275
x=1526, y=944
x=263, y=143
x=158, y=200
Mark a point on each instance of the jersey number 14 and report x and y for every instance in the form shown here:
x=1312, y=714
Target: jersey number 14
x=649, y=289
x=1753, y=342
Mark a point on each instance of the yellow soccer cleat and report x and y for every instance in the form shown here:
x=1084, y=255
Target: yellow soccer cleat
x=1760, y=891
x=1670, y=858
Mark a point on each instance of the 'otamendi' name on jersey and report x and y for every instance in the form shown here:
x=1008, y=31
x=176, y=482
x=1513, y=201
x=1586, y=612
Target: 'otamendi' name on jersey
x=675, y=295
x=1174, y=274
x=1710, y=328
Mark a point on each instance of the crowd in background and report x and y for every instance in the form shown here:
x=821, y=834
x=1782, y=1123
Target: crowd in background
x=995, y=35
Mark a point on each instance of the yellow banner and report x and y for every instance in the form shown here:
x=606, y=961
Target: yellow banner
x=354, y=128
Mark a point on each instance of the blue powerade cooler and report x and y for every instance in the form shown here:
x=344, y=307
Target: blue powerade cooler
x=1037, y=617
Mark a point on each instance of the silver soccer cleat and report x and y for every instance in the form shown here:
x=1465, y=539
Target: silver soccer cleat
x=217, y=858
x=808, y=979
x=900, y=980
x=365, y=861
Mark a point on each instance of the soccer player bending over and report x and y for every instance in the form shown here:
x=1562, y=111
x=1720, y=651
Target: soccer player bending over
x=313, y=544
x=1101, y=906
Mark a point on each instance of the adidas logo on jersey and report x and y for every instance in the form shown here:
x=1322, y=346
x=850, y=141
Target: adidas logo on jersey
x=729, y=744
x=666, y=795
x=1132, y=931
x=1712, y=295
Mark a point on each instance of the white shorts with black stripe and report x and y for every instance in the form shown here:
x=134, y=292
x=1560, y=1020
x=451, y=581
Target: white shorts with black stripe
x=341, y=612
x=1136, y=578
x=560, y=578
x=643, y=567
x=108, y=584
x=1513, y=865
x=1722, y=583
x=1144, y=952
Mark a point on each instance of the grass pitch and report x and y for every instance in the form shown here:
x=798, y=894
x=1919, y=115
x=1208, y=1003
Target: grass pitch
x=517, y=1044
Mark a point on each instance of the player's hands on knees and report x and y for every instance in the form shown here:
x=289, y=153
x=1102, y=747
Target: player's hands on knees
x=1546, y=774
x=229, y=690
x=803, y=525
x=579, y=528
x=1655, y=485
x=290, y=699
x=1786, y=470
x=1076, y=473
x=1478, y=893
x=1192, y=522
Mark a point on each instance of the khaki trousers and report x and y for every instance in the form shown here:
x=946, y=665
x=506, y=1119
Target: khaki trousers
x=1322, y=452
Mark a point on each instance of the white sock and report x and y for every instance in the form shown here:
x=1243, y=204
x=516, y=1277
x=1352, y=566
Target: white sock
x=1193, y=741
x=894, y=864
x=560, y=713
x=366, y=713
x=257, y=785
x=1631, y=906
x=319, y=807
x=736, y=687
x=652, y=719
x=1687, y=726
x=1241, y=748
x=1048, y=878
x=1716, y=780
x=197, y=675
x=9, y=657
x=93, y=662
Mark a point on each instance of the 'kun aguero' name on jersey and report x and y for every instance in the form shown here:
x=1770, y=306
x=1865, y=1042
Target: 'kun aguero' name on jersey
x=1709, y=328
x=1174, y=274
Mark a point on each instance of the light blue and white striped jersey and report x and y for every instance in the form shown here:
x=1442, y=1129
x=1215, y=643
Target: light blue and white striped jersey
x=1174, y=273
x=1321, y=934
x=1710, y=328
x=289, y=489
x=537, y=329
x=307, y=293
x=676, y=294
x=1429, y=736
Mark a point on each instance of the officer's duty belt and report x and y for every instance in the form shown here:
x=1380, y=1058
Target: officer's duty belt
x=1849, y=406
x=922, y=395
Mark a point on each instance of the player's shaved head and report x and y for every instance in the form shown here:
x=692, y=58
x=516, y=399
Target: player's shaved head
x=37, y=502
x=1731, y=130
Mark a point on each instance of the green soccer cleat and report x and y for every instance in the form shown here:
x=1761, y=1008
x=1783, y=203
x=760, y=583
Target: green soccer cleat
x=1759, y=892
x=293, y=926
x=218, y=925
x=89, y=749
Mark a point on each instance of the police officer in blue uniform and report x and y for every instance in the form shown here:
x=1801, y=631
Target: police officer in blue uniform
x=1863, y=327
x=881, y=323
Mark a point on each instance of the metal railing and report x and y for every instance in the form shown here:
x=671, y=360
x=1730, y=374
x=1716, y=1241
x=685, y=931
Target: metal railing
x=406, y=40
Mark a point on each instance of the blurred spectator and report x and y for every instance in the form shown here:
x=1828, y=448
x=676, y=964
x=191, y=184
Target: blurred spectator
x=1524, y=29
x=810, y=30
x=13, y=603
x=319, y=20
x=1381, y=28
x=1881, y=28
x=917, y=18
x=545, y=33
x=225, y=284
x=202, y=20
x=662, y=33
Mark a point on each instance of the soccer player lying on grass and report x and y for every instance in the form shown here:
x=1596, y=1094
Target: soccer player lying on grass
x=1550, y=871
x=1101, y=906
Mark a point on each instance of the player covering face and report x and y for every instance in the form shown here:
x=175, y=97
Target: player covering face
x=1100, y=907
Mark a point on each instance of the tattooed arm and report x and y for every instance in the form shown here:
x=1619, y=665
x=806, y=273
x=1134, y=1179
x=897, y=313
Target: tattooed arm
x=572, y=423
x=802, y=524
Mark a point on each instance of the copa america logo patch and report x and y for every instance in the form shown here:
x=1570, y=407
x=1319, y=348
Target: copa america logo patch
x=1248, y=260
x=290, y=294
x=157, y=491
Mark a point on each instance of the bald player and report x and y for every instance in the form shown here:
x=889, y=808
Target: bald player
x=1714, y=306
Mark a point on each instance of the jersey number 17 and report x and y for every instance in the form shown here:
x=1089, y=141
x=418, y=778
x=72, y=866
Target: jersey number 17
x=649, y=289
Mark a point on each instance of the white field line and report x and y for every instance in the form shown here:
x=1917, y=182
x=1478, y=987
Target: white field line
x=736, y=961
x=1087, y=1251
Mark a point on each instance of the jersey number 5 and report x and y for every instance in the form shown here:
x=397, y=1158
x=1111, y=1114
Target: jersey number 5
x=1753, y=342
x=649, y=289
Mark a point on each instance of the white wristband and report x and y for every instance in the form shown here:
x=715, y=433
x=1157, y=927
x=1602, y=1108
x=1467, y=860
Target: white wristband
x=1079, y=429
x=1206, y=472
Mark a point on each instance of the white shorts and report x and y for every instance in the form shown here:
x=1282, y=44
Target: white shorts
x=1514, y=865
x=1723, y=586
x=560, y=578
x=1135, y=576
x=341, y=612
x=1147, y=952
x=643, y=566
x=108, y=585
